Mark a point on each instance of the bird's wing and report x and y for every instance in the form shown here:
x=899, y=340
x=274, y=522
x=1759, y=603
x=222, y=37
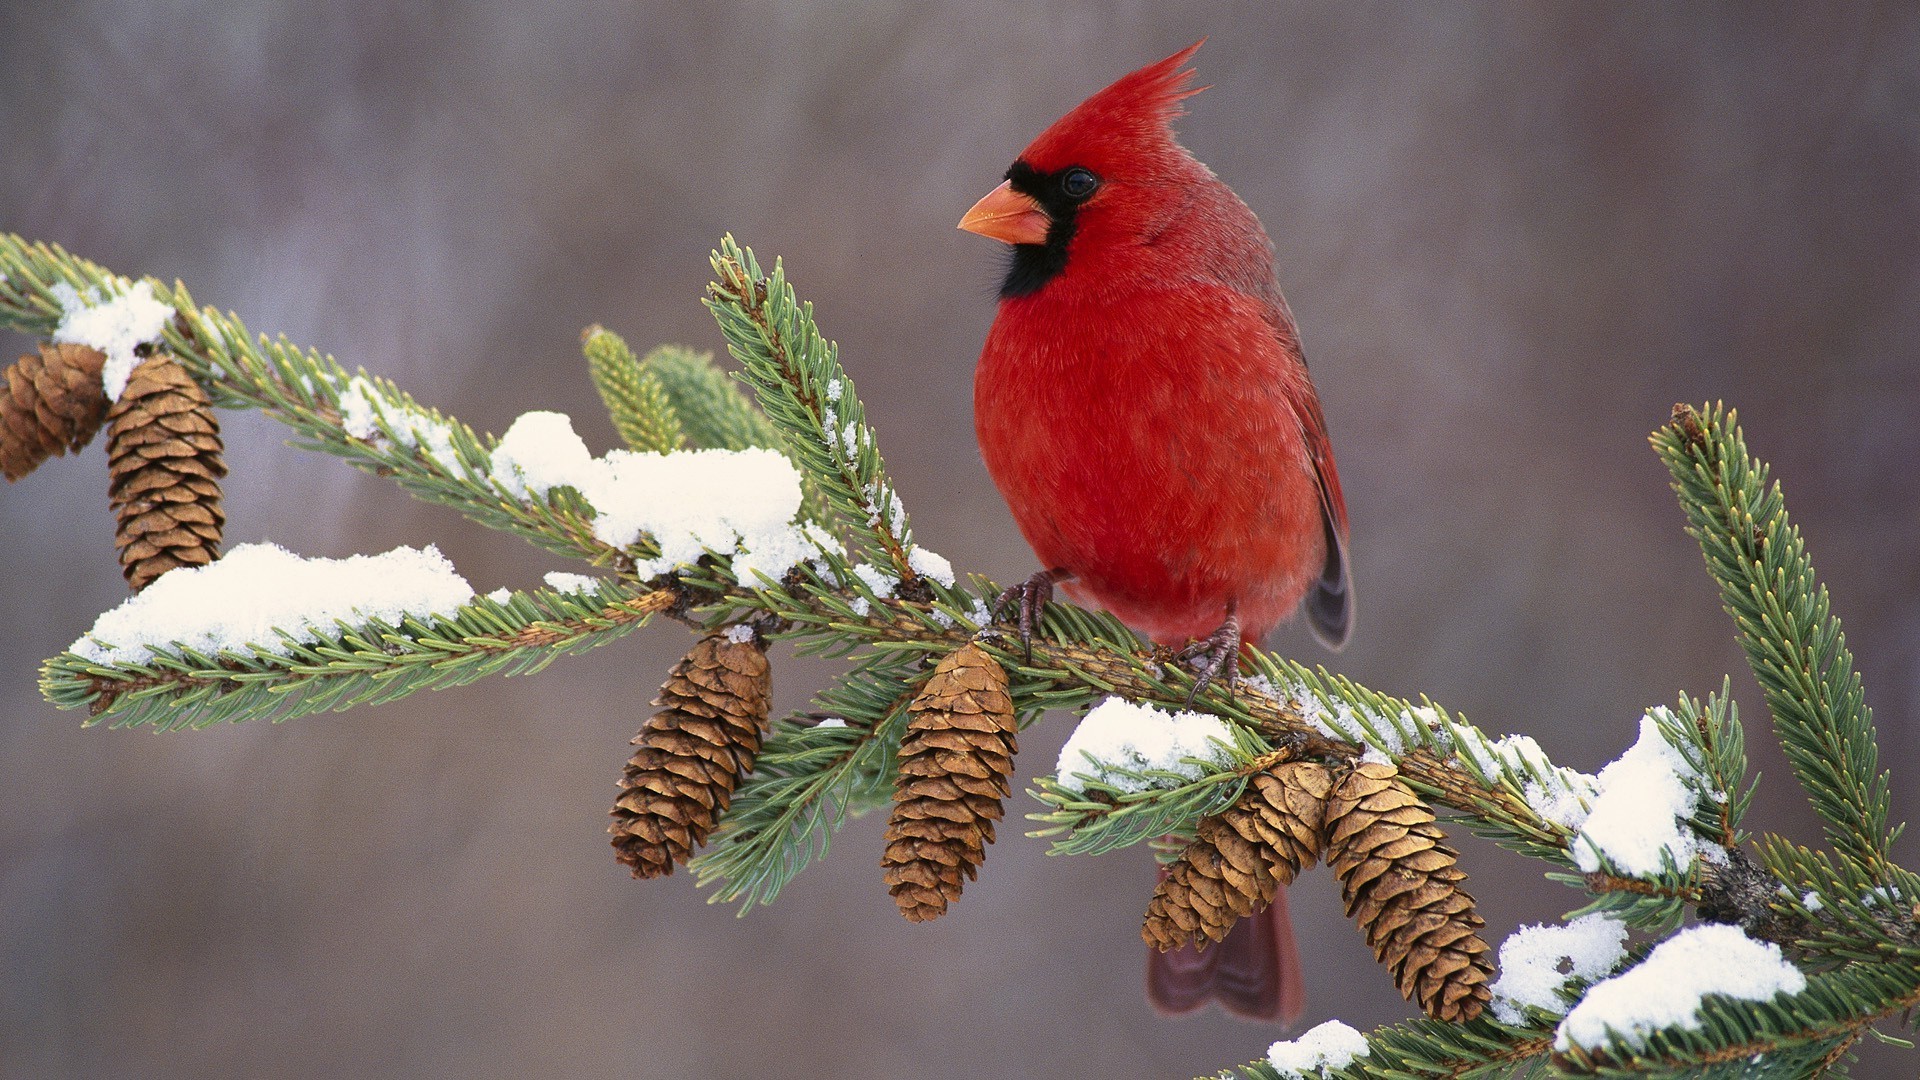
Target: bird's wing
x=1329, y=603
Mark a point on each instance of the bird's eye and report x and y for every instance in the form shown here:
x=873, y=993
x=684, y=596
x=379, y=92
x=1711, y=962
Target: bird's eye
x=1078, y=183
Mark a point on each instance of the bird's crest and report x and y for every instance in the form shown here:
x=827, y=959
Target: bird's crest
x=1133, y=114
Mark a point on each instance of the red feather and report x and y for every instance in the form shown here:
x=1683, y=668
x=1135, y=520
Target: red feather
x=1142, y=403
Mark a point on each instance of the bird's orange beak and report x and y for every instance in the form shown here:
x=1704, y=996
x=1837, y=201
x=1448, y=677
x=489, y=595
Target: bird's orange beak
x=1008, y=216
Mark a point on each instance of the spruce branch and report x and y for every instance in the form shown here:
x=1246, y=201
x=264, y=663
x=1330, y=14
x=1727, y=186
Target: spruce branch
x=1480, y=1049
x=1785, y=1037
x=712, y=409
x=1792, y=640
x=364, y=664
x=796, y=374
x=431, y=456
x=809, y=779
x=638, y=404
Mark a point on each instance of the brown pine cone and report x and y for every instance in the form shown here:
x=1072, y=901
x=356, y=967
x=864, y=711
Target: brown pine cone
x=49, y=404
x=1241, y=856
x=954, y=762
x=692, y=753
x=1402, y=886
x=164, y=468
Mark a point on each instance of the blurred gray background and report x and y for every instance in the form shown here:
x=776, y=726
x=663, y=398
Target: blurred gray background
x=1514, y=236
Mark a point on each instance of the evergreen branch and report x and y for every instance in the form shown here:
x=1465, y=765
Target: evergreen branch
x=1838, y=910
x=796, y=374
x=806, y=782
x=713, y=410
x=1479, y=1049
x=369, y=663
x=1792, y=640
x=1080, y=655
x=1722, y=761
x=1104, y=818
x=636, y=402
x=433, y=457
x=1095, y=815
x=1790, y=1034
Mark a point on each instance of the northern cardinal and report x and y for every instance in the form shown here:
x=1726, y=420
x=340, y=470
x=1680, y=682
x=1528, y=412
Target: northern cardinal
x=1142, y=403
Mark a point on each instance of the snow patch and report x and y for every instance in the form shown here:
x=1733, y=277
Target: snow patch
x=1638, y=818
x=1332, y=1045
x=563, y=582
x=115, y=325
x=260, y=592
x=880, y=581
x=1120, y=734
x=930, y=564
x=1531, y=960
x=1665, y=989
x=737, y=503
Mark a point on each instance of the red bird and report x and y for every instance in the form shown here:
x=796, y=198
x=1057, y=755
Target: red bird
x=1143, y=405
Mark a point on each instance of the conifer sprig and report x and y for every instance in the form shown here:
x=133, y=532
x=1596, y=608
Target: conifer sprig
x=796, y=374
x=433, y=457
x=365, y=664
x=1792, y=639
x=642, y=412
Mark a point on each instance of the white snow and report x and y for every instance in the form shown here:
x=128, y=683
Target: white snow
x=738, y=503
x=1556, y=794
x=115, y=325
x=880, y=581
x=1382, y=738
x=1120, y=734
x=695, y=500
x=500, y=595
x=1531, y=962
x=979, y=613
x=363, y=404
x=1334, y=719
x=832, y=722
x=740, y=633
x=930, y=564
x=357, y=416
x=538, y=453
x=1332, y=1045
x=561, y=581
x=1665, y=989
x=1639, y=815
x=258, y=591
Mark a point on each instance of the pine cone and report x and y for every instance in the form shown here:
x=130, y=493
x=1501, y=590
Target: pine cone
x=50, y=404
x=164, y=465
x=954, y=762
x=1241, y=856
x=1402, y=887
x=692, y=753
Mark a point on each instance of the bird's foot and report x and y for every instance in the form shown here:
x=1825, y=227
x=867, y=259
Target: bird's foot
x=1214, y=657
x=1031, y=595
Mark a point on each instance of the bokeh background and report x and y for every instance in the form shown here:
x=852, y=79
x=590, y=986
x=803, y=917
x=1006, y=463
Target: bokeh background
x=1514, y=236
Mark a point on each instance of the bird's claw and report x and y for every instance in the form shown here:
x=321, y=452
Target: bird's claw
x=1031, y=595
x=1216, y=656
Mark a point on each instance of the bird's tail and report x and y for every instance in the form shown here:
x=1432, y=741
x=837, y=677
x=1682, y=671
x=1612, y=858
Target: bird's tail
x=1254, y=973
